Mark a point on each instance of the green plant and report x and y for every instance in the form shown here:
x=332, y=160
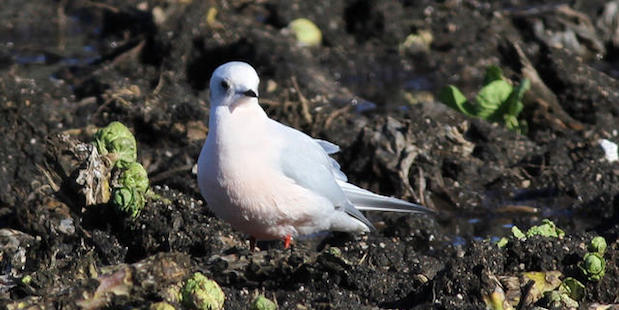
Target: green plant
x=117, y=140
x=129, y=179
x=497, y=101
x=518, y=234
x=130, y=194
x=201, y=293
x=598, y=245
x=593, y=266
x=572, y=288
x=502, y=242
x=546, y=229
x=263, y=303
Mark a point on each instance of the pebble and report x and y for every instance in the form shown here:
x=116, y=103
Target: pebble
x=363, y=245
x=66, y=226
x=610, y=150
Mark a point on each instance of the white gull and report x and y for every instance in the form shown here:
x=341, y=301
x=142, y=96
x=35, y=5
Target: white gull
x=272, y=181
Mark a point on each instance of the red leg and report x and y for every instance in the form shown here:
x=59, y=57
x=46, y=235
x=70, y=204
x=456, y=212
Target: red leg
x=287, y=241
x=252, y=244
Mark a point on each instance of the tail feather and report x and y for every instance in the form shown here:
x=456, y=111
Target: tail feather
x=366, y=200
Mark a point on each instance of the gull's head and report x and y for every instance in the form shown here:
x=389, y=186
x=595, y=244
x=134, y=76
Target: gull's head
x=234, y=83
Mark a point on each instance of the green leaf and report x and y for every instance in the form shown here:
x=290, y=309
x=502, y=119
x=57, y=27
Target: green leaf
x=199, y=292
x=123, y=198
x=511, y=122
x=573, y=288
x=116, y=138
x=453, y=98
x=135, y=176
x=497, y=101
x=511, y=108
x=130, y=196
x=263, y=303
x=513, y=105
x=490, y=98
x=593, y=266
x=493, y=73
x=502, y=242
x=598, y=245
x=546, y=229
x=518, y=234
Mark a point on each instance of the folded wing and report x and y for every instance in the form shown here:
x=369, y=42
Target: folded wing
x=305, y=160
x=365, y=200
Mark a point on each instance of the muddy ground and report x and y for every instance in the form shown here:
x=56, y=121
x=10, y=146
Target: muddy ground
x=69, y=67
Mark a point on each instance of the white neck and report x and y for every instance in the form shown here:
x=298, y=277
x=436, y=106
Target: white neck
x=226, y=124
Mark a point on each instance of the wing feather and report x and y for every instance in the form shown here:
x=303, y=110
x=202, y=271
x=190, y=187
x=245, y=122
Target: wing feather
x=306, y=161
x=365, y=200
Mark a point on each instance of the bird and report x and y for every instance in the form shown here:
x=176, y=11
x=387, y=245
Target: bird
x=271, y=181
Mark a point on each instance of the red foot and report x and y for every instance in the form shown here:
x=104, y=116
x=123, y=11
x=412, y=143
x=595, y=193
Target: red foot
x=287, y=241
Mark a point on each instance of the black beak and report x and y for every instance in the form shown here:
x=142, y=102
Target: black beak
x=250, y=93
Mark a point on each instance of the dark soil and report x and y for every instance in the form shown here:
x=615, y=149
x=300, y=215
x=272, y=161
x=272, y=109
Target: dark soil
x=68, y=67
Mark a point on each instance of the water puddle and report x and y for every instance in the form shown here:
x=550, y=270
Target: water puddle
x=497, y=222
x=61, y=44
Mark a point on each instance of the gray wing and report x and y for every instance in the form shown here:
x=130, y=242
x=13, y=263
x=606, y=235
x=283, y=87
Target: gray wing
x=305, y=160
x=363, y=199
x=328, y=147
x=366, y=200
x=332, y=148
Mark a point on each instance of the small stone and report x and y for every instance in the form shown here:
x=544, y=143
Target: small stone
x=66, y=226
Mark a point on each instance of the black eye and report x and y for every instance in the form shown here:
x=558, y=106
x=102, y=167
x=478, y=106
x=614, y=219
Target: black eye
x=225, y=85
